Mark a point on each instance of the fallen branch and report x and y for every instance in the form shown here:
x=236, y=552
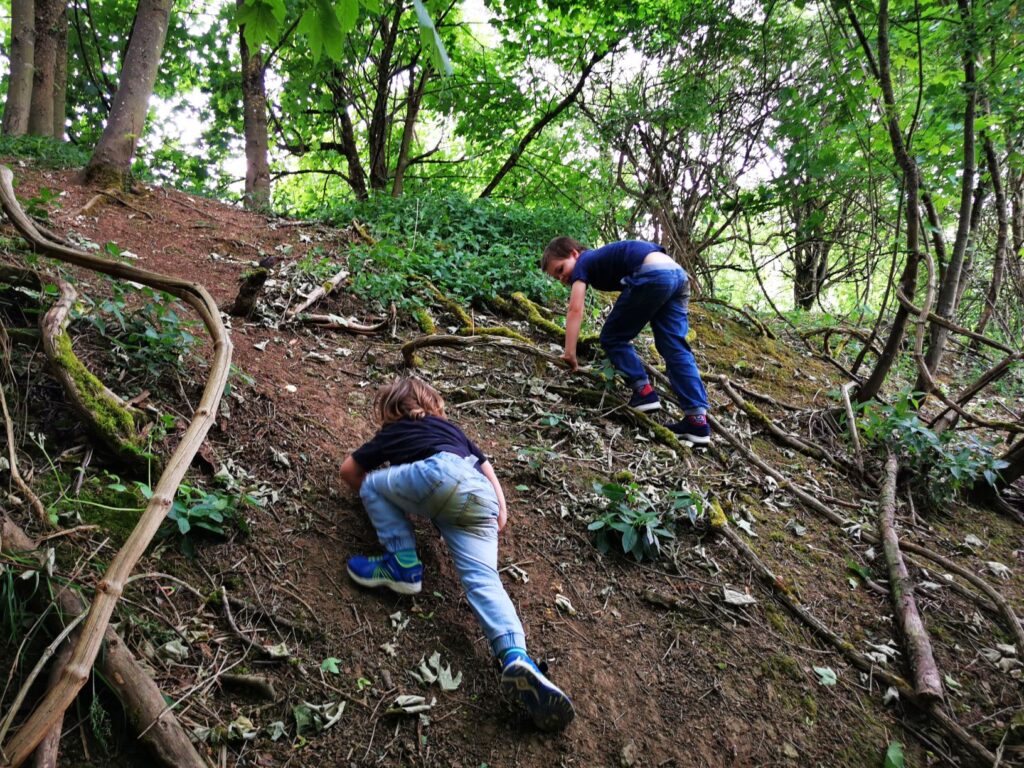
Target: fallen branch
x=927, y=682
x=49, y=748
x=437, y=340
x=316, y=294
x=852, y=423
x=337, y=323
x=783, y=594
x=129, y=680
x=998, y=602
x=109, y=588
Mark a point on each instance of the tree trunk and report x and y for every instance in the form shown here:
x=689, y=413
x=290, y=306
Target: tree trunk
x=1002, y=233
x=912, y=182
x=40, y=118
x=380, y=120
x=945, y=305
x=412, y=110
x=19, y=83
x=60, y=74
x=254, y=105
x=111, y=160
x=356, y=174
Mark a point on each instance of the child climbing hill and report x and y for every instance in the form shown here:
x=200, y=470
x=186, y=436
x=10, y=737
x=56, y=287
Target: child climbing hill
x=439, y=474
x=654, y=289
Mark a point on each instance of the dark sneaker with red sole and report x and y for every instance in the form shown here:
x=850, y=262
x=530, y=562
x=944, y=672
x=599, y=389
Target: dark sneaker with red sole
x=693, y=429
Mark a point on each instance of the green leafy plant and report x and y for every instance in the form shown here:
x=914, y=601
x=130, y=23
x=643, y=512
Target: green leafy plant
x=196, y=511
x=148, y=336
x=945, y=465
x=638, y=524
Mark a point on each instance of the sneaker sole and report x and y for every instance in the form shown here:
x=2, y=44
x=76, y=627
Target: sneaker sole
x=401, y=587
x=695, y=439
x=646, y=407
x=549, y=707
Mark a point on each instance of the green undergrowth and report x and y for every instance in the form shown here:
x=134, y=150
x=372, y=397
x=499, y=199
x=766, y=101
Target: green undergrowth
x=472, y=250
x=46, y=152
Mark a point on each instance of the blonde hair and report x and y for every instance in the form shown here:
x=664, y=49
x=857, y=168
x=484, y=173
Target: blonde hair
x=407, y=398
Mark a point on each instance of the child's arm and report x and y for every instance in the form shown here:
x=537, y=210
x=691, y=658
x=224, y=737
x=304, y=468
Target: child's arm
x=352, y=473
x=488, y=471
x=573, y=321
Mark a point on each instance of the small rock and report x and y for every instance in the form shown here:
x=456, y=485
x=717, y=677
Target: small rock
x=627, y=759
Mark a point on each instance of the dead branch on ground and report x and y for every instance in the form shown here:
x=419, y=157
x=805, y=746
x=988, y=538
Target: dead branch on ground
x=316, y=294
x=927, y=682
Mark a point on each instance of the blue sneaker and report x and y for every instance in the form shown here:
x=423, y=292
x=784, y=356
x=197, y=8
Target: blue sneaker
x=385, y=571
x=645, y=400
x=549, y=707
x=693, y=429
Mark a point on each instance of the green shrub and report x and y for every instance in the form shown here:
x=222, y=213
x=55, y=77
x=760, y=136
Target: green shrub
x=637, y=523
x=944, y=465
x=46, y=151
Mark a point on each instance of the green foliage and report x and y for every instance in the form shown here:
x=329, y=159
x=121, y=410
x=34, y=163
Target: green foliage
x=44, y=151
x=636, y=522
x=196, y=511
x=37, y=206
x=472, y=250
x=944, y=465
x=148, y=340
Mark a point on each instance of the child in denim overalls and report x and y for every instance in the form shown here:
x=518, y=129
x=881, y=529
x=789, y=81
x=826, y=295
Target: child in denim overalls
x=655, y=290
x=437, y=473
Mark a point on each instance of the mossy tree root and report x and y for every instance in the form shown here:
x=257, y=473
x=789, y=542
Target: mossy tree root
x=109, y=588
x=778, y=588
x=529, y=311
x=437, y=340
x=115, y=423
x=805, y=447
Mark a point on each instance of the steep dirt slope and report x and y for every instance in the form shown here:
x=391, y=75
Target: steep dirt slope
x=663, y=669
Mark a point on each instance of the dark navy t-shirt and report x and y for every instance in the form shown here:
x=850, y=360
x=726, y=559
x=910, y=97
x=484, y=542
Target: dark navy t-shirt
x=605, y=267
x=408, y=440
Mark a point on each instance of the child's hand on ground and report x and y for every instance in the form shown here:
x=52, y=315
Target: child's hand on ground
x=571, y=361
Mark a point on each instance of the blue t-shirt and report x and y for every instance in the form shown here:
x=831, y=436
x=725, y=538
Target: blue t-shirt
x=408, y=440
x=605, y=267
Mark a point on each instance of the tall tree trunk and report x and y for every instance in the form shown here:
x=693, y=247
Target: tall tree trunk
x=40, y=118
x=1002, y=233
x=412, y=110
x=945, y=305
x=380, y=121
x=912, y=183
x=254, y=108
x=60, y=73
x=19, y=83
x=111, y=160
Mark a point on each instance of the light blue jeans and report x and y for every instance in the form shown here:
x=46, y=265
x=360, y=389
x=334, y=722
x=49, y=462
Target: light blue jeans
x=449, y=491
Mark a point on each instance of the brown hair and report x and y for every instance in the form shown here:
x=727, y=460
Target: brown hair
x=558, y=249
x=407, y=398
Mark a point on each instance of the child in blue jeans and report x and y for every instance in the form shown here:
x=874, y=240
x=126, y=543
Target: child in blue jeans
x=437, y=473
x=655, y=290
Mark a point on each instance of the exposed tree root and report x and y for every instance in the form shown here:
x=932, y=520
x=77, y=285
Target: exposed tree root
x=927, y=683
x=809, y=449
x=130, y=681
x=109, y=588
x=12, y=453
x=49, y=748
x=410, y=347
x=109, y=418
x=784, y=594
x=997, y=601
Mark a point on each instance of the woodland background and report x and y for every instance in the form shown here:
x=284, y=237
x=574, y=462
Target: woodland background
x=844, y=182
